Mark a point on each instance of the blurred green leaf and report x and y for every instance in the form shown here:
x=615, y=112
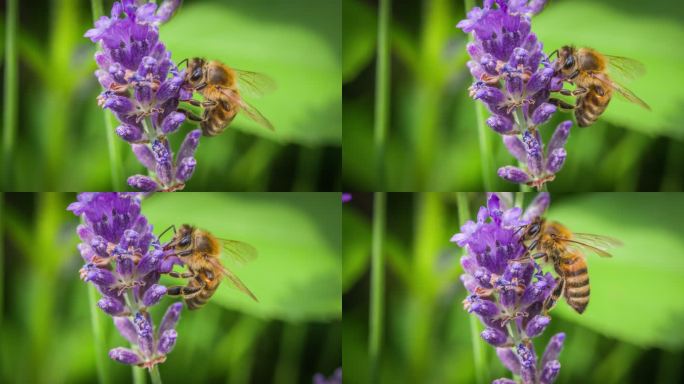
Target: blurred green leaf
x=356, y=247
x=297, y=43
x=297, y=275
x=631, y=293
x=646, y=38
x=359, y=40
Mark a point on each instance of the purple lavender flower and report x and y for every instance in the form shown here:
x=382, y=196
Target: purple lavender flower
x=336, y=378
x=124, y=261
x=346, y=197
x=142, y=87
x=514, y=79
x=505, y=293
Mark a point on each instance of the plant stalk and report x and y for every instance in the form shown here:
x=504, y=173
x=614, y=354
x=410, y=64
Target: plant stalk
x=154, y=375
x=11, y=107
x=479, y=357
x=377, y=287
x=382, y=94
x=112, y=147
x=98, y=334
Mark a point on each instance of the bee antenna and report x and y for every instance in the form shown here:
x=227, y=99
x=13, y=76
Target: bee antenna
x=553, y=53
x=183, y=61
x=167, y=229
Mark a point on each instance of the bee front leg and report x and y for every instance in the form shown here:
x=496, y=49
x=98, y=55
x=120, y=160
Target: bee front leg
x=190, y=115
x=205, y=103
x=184, y=275
x=561, y=104
x=579, y=91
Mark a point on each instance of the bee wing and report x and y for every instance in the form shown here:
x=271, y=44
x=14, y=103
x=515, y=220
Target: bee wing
x=623, y=91
x=249, y=110
x=239, y=251
x=626, y=67
x=255, y=83
x=232, y=278
x=596, y=243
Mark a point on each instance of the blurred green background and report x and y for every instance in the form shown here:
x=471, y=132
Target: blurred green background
x=61, y=140
x=291, y=334
x=432, y=141
x=631, y=331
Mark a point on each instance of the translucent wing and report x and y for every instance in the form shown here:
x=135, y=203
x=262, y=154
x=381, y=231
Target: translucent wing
x=232, y=278
x=239, y=251
x=625, y=67
x=595, y=243
x=623, y=91
x=255, y=83
x=248, y=109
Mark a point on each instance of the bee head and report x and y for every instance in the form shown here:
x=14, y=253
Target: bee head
x=195, y=71
x=533, y=228
x=184, y=237
x=567, y=60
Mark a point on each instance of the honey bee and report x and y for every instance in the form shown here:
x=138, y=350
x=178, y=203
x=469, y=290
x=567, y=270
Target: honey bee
x=201, y=251
x=221, y=88
x=589, y=70
x=557, y=244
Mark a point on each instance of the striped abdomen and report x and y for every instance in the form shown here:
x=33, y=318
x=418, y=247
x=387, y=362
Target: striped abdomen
x=591, y=105
x=217, y=118
x=210, y=286
x=573, y=269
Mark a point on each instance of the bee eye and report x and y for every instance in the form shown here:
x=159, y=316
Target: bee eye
x=534, y=229
x=185, y=241
x=569, y=62
x=196, y=74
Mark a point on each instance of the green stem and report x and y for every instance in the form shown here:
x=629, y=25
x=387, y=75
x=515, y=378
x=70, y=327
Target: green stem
x=377, y=286
x=2, y=259
x=112, y=149
x=485, y=149
x=479, y=353
x=382, y=96
x=522, y=124
x=132, y=303
x=11, y=91
x=98, y=333
x=112, y=146
x=154, y=375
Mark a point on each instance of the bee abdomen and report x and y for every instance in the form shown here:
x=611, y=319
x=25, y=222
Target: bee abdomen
x=577, y=287
x=590, y=107
x=200, y=299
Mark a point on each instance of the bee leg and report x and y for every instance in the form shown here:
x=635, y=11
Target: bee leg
x=190, y=115
x=561, y=104
x=182, y=290
x=184, y=275
x=205, y=103
x=552, y=300
x=579, y=91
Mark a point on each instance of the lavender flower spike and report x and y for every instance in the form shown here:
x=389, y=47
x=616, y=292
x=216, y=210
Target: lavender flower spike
x=123, y=261
x=142, y=87
x=507, y=295
x=514, y=79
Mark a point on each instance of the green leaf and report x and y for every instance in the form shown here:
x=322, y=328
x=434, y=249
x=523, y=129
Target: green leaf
x=646, y=38
x=356, y=247
x=297, y=276
x=634, y=294
x=358, y=44
x=297, y=43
